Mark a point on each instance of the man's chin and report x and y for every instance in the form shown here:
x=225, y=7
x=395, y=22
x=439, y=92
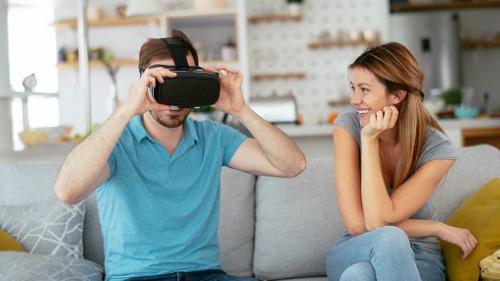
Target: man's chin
x=169, y=121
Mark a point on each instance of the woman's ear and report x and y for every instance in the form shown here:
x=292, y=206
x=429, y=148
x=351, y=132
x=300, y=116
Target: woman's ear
x=398, y=96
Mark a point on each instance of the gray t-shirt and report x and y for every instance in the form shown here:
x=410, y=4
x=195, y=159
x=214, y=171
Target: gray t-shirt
x=437, y=146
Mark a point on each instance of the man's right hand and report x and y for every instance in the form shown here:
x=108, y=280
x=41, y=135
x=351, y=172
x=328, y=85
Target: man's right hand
x=139, y=100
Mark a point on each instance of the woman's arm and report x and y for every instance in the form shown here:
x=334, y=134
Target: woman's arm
x=458, y=236
x=347, y=180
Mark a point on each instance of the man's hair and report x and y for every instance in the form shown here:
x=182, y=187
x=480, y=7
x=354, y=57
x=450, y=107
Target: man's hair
x=157, y=49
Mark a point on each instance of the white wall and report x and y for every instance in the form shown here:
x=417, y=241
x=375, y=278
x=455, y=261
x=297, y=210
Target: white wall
x=282, y=46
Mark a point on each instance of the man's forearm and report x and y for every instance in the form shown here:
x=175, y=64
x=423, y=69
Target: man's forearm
x=84, y=168
x=280, y=150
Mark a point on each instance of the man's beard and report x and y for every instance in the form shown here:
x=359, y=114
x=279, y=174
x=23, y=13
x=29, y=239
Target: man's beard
x=168, y=120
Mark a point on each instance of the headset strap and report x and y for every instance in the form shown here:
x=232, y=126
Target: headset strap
x=177, y=51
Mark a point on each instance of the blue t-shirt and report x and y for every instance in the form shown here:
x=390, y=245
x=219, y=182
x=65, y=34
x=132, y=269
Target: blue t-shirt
x=437, y=146
x=160, y=213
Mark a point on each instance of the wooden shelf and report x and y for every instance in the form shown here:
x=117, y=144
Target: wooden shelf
x=264, y=18
x=134, y=62
x=109, y=22
x=412, y=7
x=345, y=101
x=278, y=75
x=327, y=44
x=97, y=63
x=472, y=44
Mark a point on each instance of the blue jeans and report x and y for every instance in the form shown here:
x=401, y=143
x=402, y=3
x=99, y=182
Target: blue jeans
x=383, y=254
x=205, y=275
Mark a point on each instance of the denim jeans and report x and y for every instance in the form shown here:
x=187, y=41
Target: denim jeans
x=384, y=254
x=205, y=275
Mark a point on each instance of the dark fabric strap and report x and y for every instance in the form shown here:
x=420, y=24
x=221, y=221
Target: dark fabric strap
x=177, y=51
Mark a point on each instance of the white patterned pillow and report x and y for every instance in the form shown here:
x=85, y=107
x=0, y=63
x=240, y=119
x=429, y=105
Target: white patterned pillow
x=46, y=229
x=25, y=266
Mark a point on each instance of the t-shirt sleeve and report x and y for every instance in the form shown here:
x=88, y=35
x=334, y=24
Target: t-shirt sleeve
x=437, y=146
x=350, y=122
x=232, y=139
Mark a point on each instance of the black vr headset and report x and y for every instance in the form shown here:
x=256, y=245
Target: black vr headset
x=192, y=87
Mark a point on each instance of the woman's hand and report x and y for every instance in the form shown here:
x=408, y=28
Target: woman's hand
x=231, y=98
x=382, y=120
x=139, y=100
x=460, y=237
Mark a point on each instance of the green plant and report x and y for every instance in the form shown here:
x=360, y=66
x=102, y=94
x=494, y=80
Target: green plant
x=452, y=96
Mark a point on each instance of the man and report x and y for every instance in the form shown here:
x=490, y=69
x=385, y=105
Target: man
x=157, y=173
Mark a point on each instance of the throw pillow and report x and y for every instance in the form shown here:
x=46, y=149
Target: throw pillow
x=478, y=214
x=26, y=266
x=490, y=266
x=46, y=229
x=8, y=243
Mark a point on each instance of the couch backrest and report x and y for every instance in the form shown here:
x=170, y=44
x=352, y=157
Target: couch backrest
x=297, y=219
x=474, y=167
x=28, y=183
x=297, y=222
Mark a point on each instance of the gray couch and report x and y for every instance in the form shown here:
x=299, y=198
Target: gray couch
x=270, y=228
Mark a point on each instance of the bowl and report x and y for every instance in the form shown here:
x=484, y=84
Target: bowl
x=463, y=112
x=32, y=138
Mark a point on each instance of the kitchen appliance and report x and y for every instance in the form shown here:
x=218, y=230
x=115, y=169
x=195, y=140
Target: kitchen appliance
x=434, y=39
x=276, y=109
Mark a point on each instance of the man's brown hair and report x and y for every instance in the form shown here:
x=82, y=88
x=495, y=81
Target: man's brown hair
x=157, y=49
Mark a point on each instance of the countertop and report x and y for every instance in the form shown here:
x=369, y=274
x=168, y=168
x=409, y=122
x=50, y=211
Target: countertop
x=447, y=124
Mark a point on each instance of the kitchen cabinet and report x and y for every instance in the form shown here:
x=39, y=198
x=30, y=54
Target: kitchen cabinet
x=474, y=136
x=465, y=5
x=435, y=6
x=211, y=30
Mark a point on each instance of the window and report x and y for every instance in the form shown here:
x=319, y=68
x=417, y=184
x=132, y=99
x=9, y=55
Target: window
x=32, y=49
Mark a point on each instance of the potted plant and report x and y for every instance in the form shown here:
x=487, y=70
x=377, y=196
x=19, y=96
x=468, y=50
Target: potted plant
x=294, y=7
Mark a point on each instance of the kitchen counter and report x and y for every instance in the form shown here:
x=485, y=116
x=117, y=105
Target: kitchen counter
x=316, y=140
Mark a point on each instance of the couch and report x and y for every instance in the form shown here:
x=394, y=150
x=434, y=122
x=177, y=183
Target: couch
x=270, y=228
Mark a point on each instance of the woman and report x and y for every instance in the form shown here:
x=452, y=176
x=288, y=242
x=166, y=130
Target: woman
x=390, y=155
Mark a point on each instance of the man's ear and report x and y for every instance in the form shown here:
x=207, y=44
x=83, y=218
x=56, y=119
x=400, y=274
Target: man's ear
x=398, y=96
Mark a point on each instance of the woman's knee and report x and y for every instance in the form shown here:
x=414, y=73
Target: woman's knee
x=391, y=238
x=362, y=271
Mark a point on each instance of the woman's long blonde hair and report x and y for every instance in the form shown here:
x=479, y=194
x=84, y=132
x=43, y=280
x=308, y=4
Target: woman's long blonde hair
x=395, y=67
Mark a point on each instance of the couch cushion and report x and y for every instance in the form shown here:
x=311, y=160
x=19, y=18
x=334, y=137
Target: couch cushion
x=47, y=229
x=479, y=214
x=475, y=166
x=28, y=183
x=236, y=223
x=25, y=266
x=297, y=222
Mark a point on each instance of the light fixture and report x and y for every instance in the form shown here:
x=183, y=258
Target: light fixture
x=137, y=8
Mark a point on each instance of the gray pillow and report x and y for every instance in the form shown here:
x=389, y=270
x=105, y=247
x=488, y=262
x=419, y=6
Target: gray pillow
x=46, y=229
x=26, y=266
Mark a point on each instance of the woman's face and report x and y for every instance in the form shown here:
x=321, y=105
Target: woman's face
x=369, y=95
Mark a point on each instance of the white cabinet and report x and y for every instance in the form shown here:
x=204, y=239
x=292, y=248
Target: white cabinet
x=210, y=30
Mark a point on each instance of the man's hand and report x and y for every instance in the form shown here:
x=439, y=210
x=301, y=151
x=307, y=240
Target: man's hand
x=231, y=98
x=139, y=100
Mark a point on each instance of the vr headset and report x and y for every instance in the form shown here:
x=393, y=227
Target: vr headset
x=192, y=87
